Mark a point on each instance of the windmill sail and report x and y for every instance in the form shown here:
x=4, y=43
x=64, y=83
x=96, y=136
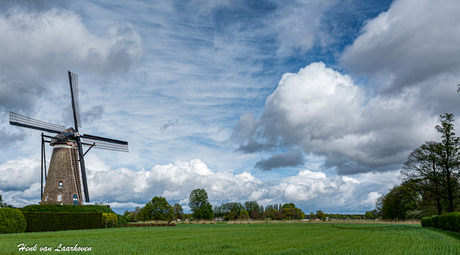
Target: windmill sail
x=97, y=144
x=73, y=80
x=64, y=184
x=23, y=121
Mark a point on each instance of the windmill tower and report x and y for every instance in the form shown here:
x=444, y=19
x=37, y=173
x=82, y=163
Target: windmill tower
x=66, y=178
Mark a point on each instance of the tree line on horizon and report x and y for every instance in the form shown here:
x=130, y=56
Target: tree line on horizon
x=159, y=209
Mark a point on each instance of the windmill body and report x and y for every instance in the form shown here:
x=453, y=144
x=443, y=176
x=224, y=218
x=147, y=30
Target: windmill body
x=63, y=184
x=66, y=179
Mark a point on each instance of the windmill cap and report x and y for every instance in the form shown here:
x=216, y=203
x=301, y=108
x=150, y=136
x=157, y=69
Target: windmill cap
x=61, y=138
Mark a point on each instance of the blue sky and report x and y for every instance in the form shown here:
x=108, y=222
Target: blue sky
x=312, y=102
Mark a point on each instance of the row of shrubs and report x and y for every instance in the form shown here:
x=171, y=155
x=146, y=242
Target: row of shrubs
x=448, y=221
x=57, y=221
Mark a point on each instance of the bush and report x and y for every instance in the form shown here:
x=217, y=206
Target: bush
x=453, y=220
x=231, y=215
x=426, y=222
x=448, y=221
x=244, y=215
x=109, y=220
x=442, y=222
x=57, y=221
x=12, y=221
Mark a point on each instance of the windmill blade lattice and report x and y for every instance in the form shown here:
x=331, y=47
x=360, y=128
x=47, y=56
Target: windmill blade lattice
x=73, y=80
x=97, y=144
x=23, y=121
x=65, y=165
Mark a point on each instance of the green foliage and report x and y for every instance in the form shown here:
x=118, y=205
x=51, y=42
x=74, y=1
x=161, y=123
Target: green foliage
x=270, y=214
x=244, y=215
x=398, y=202
x=414, y=215
x=158, y=209
x=198, y=199
x=205, y=212
x=422, y=168
x=127, y=216
x=226, y=208
x=449, y=159
x=434, y=168
x=426, y=222
x=178, y=211
x=287, y=206
x=292, y=213
x=56, y=221
x=452, y=221
x=231, y=215
x=66, y=208
x=448, y=221
x=250, y=206
x=320, y=215
x=369, y=215
x=12, y=221
x=109, y=220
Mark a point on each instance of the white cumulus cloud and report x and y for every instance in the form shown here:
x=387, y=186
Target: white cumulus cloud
x=125, y=189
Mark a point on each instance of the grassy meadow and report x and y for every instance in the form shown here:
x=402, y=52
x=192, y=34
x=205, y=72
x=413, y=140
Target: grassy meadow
x=288, y=238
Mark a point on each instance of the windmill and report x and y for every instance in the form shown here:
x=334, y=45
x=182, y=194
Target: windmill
x=64, y=182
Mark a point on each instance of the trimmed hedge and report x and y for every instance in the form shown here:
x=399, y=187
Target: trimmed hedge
x=12, y=221
x=448, y=221
x=66, y=208
x=57, y=221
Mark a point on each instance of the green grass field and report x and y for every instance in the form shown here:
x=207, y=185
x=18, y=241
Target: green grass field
x=292, y=238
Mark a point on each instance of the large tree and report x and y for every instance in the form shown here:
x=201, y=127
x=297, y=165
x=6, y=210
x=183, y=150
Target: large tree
x=232, y=207
x=398, y=202
x=199, y=204
x=449, y=158
x=178, y=211
x=320, y=215
x=206, y=212
x=423, y=169
x=158, y=209
x=288, y=206
x=251, y=206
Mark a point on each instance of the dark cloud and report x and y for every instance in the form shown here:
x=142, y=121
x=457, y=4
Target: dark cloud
x=245, y=128
x=254, y=146
x=289, y=159
x=11, y=139
x=93, y=114
x=412, y=42
x=167, y=125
